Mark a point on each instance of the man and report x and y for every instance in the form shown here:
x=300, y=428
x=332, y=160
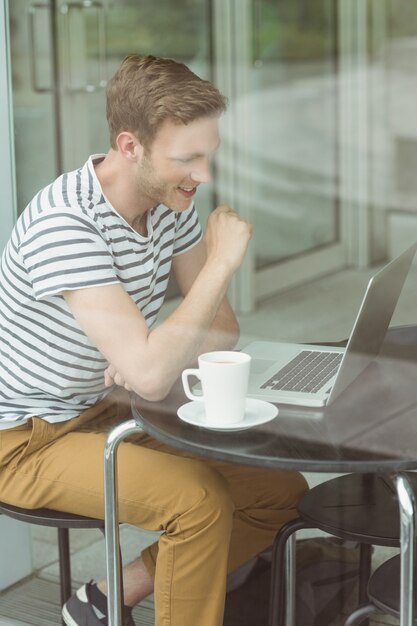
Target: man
x=82, y=280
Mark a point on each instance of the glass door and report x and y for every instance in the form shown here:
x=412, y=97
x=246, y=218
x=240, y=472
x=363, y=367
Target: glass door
x=62, y=54
x=283, y=138
x=295, y=147
x=34, y=118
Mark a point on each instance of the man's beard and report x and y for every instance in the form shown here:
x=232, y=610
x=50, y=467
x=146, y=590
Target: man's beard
x=151, y=186
x=158, y=191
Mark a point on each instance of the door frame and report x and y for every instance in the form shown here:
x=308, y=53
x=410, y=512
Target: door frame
x=8, y=214
x=231, y=25
x=15, y=538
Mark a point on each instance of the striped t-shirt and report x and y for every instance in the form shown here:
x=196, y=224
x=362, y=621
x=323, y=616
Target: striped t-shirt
x=70, y=237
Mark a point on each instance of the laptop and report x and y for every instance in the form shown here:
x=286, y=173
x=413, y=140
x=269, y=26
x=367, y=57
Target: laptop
x=314, y=375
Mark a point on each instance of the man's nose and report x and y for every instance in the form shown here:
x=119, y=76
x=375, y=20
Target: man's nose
x=201, y=172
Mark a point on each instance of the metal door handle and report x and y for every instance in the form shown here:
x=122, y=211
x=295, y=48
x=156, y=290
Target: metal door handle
x=257, y=32
x=33, y=10
x=84, y=5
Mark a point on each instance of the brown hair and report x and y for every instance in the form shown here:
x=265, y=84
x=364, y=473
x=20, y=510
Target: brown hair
x=146, y=91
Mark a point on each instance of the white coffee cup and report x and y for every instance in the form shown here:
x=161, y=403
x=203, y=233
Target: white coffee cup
x=224, y=379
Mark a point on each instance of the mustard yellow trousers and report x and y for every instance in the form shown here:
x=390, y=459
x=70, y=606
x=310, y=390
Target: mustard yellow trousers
x=215, y=516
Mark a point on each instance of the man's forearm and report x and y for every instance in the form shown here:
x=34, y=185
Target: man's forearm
x=223, y=333
x=194, y=327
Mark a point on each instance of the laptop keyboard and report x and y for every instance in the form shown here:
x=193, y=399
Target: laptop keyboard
x=307, y=372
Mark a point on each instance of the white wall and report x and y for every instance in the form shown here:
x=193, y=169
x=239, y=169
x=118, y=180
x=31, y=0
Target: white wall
x=15, y=551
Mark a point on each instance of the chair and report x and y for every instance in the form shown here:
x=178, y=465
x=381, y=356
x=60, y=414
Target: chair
x=391, y=588
x=63, y=522
x=362, y=508
x=383, y=594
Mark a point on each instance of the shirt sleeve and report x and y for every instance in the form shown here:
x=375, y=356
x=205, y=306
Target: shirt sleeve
x=64, y=249
x=188, y=231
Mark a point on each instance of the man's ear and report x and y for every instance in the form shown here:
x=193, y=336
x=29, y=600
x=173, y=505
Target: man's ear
x=129, y=146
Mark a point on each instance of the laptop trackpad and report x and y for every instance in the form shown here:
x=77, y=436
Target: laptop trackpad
x=258, y=366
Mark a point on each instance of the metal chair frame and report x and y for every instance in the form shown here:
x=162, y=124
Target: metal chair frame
x=109, y=526
x=405, y=611
x=282, y=597
x=62, y=522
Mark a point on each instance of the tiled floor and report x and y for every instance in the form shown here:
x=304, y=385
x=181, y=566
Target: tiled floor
x=323, y=310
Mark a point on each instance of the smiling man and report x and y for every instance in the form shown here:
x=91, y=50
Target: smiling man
x=81, y=283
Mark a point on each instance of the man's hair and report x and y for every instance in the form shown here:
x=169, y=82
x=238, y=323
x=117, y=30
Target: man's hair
x=147, y=91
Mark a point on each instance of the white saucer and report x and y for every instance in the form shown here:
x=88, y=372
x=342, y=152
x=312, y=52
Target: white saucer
x=257, y=412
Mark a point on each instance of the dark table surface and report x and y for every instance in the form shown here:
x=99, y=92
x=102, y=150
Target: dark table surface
x=371, y=427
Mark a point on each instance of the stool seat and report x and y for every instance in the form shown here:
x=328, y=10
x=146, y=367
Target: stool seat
x=384, y=588
x=356, y=507
x=383, y=594
x=50, y=517
x=62, y=522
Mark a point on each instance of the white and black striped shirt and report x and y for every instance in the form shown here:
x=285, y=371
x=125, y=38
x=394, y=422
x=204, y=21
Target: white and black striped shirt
x=70, y=237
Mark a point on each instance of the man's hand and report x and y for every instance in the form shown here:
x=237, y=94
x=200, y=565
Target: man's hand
x=227, y=237
x=111, y=377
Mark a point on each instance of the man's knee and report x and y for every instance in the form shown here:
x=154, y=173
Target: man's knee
x=291, y=488
x=212, y=496
x=277, y=490
x=298, y=484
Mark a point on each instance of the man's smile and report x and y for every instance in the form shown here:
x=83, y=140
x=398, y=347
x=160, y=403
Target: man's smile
x=188, y=192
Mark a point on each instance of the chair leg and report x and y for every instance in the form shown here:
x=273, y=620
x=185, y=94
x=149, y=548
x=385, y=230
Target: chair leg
x=278, y=569
x=64, y=565
x=365, y=565
x=361, y=613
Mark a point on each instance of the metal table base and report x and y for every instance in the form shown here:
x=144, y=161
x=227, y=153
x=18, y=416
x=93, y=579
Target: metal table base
x=111, y=512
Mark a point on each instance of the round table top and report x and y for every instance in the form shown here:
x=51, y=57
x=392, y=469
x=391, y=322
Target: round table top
x=371, y=427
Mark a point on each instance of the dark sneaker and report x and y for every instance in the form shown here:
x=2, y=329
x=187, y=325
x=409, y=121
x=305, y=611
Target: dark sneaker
x=79, y=611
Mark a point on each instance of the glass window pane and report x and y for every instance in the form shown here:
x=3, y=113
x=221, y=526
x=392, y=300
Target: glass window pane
x=31, y=57
x=294, y=131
